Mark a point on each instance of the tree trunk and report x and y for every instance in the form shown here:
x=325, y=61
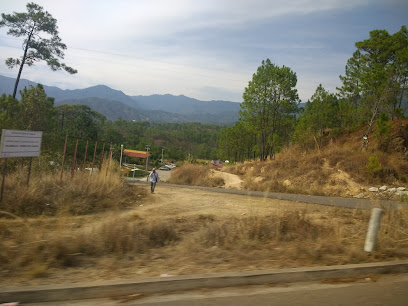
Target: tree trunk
x=62, y=121
x=22, y=64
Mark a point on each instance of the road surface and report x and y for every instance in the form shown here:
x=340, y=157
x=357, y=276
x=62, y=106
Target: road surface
x=386, y=290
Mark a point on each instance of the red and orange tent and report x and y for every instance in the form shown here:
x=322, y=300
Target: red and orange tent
x=134, y=153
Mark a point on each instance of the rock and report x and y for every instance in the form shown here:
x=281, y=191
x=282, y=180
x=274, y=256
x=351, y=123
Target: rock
x=383, y=188
x=156, y=256
x=360, y=196
x=400, y=188
x=392, y=190
x=402, y=193
x=373, y=189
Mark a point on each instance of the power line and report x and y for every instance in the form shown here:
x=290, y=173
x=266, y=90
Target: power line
x=147, y=60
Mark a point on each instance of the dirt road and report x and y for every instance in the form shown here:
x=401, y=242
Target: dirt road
x=173, y=200
x=233, y=185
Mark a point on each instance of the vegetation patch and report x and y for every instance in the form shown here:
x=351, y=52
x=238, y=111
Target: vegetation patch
x=37, y=248
x=83, y=193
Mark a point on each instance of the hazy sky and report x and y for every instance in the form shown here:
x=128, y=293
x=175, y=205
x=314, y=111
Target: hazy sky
x=207, y=49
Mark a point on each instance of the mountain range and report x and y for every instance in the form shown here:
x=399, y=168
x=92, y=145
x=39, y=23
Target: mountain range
x=115, y=104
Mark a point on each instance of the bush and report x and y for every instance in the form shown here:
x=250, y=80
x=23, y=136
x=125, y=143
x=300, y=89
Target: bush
x=83, y=193
x=373, y=166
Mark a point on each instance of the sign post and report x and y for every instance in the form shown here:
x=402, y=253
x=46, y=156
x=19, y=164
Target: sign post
x=16, y=143
x=121, y=154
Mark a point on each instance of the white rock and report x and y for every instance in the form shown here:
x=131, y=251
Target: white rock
x=392, y=190
x=359, y=196
x=400, y=188
x=383, y=188
x=402, y=193
x=373, y=189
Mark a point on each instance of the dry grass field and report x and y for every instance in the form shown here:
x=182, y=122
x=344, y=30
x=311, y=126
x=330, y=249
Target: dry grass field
x=339, y=168
x=180, y=231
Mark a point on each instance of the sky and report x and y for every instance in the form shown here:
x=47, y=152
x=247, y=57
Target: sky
x=206, y=50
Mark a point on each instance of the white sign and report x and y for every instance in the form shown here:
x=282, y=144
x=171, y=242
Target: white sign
x=16, y=143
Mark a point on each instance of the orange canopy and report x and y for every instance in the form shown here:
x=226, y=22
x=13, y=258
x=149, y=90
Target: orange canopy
x=134, y=153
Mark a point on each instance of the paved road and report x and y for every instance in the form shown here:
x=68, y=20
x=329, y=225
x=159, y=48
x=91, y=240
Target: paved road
x=321, y=200
x=387, y=290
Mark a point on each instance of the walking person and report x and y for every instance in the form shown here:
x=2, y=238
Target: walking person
x=154, y=178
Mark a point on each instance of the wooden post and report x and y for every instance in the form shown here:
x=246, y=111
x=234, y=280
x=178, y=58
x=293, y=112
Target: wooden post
x=86, y=152
x=93, y=159
x=74, y=161
x=29, y=171
x=102, y=153
x=109, y=158
x=63, y=157
x=4, y=178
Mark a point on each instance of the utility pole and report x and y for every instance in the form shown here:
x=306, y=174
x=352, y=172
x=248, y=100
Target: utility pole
x=147, y=159
x=121, y=152
x=162, y=156
x=147, y=155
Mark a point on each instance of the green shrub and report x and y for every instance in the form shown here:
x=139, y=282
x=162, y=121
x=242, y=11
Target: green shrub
x=373, y=166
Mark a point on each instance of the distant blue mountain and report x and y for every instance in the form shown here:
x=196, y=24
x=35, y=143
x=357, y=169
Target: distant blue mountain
x=115, y=104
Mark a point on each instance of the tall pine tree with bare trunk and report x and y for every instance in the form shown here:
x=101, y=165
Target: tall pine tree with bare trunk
x=41, y=40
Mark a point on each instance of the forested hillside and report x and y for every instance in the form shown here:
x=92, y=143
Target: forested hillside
x=36, y=111
x=373, y=91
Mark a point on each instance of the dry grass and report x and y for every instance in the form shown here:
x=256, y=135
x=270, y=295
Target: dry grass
x=153, y=241
x=195, y=174
x=84, y=193
x=339, y=168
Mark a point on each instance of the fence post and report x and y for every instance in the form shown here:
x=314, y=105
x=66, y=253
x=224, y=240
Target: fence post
x=63, y=157
x=74, y=161
x=86, y=152
x=4, y=178
x=103, y=152
x=109, y=158
x=373, y=228
x=29, y=171
x=93, y=159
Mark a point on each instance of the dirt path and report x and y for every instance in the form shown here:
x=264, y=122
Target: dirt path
x=232, y=181
x=172, y=200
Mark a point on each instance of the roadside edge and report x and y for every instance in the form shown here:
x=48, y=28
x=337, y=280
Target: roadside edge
x=177, y=283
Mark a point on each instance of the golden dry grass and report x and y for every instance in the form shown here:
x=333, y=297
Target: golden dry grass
x=84, y=193
x=339, y=168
